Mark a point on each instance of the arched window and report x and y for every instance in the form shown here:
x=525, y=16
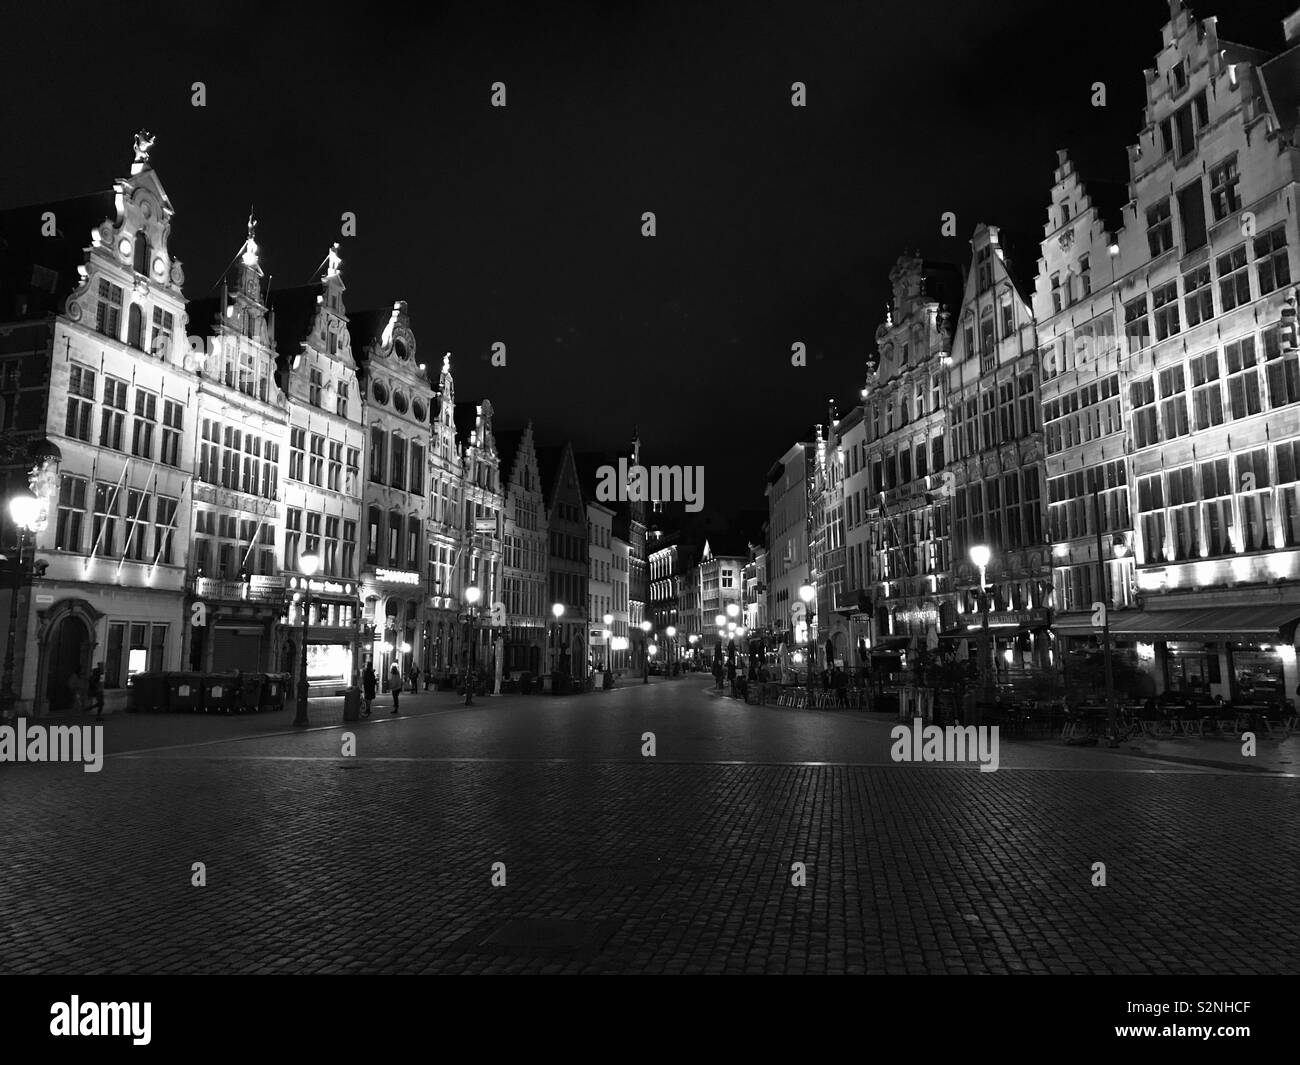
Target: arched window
x=135, y=327
x=141, y=262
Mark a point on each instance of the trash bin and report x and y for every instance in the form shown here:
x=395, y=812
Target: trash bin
x=220, y=693
x=148, y=693
x=184, y=692
x=352, y=704
x=273, y=692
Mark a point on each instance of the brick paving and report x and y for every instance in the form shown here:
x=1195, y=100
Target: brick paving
x=619, y=863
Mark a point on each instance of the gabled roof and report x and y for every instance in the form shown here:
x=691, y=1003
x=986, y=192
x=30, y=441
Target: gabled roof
x=1280, y=77
x=365, y=327
x=37, y=273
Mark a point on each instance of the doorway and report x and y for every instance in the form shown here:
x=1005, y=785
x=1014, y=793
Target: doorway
x=66, y=653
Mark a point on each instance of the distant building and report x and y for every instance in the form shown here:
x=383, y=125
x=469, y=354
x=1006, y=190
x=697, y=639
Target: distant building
x=788, y=545
x=600, y=584
x=568, y=571
x=526, y=551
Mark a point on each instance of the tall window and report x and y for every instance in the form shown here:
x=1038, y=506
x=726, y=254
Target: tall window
x=113, y=415
x=413, y=542
x=353, y=482
x=341, y=398
x=108, y=310
x=1160, y=228
x=331, y=560
x=1234, y=278
x=1207, y=400
x=171, y=433
x=146, y=414
x=210, y=453
x=164, y=529
x=378, y=454
x=1142, y=396
x=72, y=505
x=1191, y=213
x=1137, y=327
x=399, y=462
x=314, y=388
x=316, y=472
x=107, y=512
x=231, y=457
x=249, y=482
x=335, y=481
x=1256, y=499
x=1217, y=489
x=1243, y=377
x=1173, y=402
x=1151, y=504
x=135, y=327
x=81, y=402
x=1282, y=369
x=1271, y=264
x=1164, y=301
x=1007, y=410
x=1224, y=180
x=1288, y=474
x=395, y=524
x=292, y=537
x=349, y=549
x=136, y=544
x=297, y=452
x=374, y=523
x=163, y=325
x=1198, y=296
x=1183, y=504
x=417, y=468
x=140, y=261
x=313, y=533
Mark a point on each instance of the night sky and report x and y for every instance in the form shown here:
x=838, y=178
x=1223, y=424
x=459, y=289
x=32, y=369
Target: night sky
x=522, y=225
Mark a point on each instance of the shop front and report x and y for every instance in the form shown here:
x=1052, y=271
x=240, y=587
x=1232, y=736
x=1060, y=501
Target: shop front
x=332, y=631
x=395, y=621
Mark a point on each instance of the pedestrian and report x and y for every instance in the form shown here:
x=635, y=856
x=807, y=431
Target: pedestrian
x=75, y=690
x=415, y=677
x=731, y=675
x=717, y=674
x=369, y=682
x=395, y=684
x=97, y=691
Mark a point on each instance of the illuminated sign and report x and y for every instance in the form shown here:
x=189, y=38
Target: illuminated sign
x=397, y=576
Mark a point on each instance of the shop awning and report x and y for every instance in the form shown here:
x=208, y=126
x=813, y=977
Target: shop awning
x=1233, y=622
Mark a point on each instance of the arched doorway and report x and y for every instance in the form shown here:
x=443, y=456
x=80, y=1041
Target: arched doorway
x=67, y=656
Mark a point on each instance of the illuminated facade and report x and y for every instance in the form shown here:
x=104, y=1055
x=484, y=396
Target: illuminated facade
x=320, y=475
x=568, y=566
x=720, y=582
x=788, y=543
x=241, y=417
x=445, y=533
x=994, y=477
x=1195, y=380
x=483, y=525
x=621, y=552
x=600, y=585
x=397, y=409
x=525, y=555
x=834, y=607
x=99, y=329
x=905, y=411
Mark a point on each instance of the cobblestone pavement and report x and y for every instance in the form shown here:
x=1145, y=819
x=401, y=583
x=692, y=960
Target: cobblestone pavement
x=615, y=862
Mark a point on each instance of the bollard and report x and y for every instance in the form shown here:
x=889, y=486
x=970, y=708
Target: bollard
x=352, y=704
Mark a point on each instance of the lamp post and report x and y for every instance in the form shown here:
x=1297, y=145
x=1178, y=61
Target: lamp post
x=608, y=619
x=645, y=652
x=806, y=595
x=557, y=611
x=472, y=595
x=308, y=564
x=694, y=639
x=671, y=633
x=1103, y=590
x=980, y=555
x=24, y=509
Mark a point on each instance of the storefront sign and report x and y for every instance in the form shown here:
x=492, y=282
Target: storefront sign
x=326, y=587
x=207, y=588
x=262, y=589
x=397, y=576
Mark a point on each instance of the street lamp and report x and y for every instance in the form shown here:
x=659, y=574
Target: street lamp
x=980, y=555
x=671, y=632
x=645, y=657
x=608, y=619
x=557, y=611
x=308, y=564
x=472, y=595
x=25, y=509
x=806, y=594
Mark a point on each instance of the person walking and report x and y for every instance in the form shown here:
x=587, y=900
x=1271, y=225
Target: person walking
x=97, y=691
x=369, y=682
x=717, y=674
x=395, y=684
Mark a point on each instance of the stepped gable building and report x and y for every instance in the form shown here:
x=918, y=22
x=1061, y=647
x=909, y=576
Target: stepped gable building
x=789, y=532
x=906, y=450
x=94, y=391
x=484, y=519
x=1200, y=485
x=995, y=473
x=397, y=410
x=525, y=551
x=321, y=476
x=236, y=512
x=568, y=565
x=445, y=532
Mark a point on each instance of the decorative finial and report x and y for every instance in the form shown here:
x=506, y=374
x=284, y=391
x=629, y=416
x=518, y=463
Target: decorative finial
x=250, y=245
x=143, y=142
x=446, y=363
x=333, y=260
